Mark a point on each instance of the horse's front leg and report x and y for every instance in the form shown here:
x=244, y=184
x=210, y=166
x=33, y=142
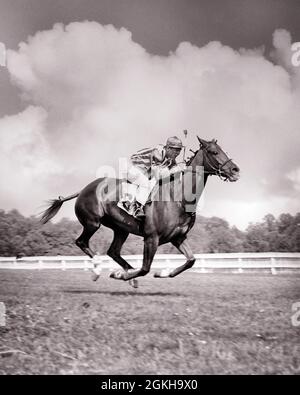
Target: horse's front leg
x=150, y=248
x=185, y=249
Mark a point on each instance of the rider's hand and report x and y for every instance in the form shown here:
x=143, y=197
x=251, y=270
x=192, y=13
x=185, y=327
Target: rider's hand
x=179, y=167
x=164, y=172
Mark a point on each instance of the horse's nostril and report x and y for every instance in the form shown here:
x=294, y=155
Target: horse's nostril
x=235, y=169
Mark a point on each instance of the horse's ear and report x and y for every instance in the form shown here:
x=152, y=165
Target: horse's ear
x=202, y=142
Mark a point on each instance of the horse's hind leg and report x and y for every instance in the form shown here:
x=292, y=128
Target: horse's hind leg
x=83, y=240
x=83, y=243
x=114, y=251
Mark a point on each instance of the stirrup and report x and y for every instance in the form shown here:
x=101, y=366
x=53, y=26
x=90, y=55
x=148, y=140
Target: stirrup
x=127, y=206
x=139, y=212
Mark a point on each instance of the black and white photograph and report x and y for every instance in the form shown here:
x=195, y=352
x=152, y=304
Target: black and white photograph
x=150, y=189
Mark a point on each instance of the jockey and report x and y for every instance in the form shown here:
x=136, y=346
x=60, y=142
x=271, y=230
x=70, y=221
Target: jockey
x=158, y=161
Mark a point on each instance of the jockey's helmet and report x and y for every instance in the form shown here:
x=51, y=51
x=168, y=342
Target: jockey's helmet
x=174, y=142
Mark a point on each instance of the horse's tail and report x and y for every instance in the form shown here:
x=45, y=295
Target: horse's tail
x=54, y=206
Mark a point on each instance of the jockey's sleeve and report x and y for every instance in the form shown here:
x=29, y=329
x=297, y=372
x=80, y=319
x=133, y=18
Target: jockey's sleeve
x=158, y=154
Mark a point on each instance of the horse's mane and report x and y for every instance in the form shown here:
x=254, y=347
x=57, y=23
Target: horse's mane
x=190, y=159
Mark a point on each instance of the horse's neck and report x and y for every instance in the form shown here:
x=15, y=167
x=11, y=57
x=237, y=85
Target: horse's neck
x=188, y=188
x=194, y=181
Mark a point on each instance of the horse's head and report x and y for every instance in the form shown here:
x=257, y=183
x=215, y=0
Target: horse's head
x=215, y=161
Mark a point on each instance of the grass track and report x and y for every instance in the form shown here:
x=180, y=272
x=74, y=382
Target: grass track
x=193, y=324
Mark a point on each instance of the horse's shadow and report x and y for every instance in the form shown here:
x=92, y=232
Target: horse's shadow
x=120, y=293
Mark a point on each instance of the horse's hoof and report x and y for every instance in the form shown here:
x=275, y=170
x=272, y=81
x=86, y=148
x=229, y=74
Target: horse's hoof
x=95, y=277
x=118, y=275
x=96, y=274
x=134, y=283
x=163, y=274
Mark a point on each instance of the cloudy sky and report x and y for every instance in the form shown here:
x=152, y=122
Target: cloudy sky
x=89, y=81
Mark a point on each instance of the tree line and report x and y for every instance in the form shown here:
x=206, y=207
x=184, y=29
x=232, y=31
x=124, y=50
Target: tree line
x=26, y=236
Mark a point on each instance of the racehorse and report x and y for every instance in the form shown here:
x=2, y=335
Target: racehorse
x=166, y=220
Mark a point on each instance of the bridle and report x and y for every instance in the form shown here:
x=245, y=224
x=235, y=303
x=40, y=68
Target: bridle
x=213, y=168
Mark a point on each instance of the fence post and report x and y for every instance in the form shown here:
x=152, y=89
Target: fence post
x=273, y=269
x=241, y=264
x=168, y=263
x=41, y=264
x=15, y=263
x=203, y=270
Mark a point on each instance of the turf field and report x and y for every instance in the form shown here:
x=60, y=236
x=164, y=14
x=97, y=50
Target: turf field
x=60, y=322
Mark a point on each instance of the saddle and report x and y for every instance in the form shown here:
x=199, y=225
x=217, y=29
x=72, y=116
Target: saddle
x=127, y=201
x=127, y=194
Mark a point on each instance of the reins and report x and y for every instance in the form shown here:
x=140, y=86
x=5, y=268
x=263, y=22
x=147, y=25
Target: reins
x=207, y=162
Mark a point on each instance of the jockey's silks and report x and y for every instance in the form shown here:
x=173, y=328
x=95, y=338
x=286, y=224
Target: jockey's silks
x=146, y=157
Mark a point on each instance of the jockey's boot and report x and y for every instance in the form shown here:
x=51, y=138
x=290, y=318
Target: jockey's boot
x=139, y=212
x=127, y=206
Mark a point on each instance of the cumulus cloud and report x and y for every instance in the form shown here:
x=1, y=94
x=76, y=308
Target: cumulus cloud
x=294, y=176
x=94, y=95
x=283, y=54
x=26, y=161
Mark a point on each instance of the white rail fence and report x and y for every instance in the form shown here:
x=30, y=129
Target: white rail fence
x=205, y=263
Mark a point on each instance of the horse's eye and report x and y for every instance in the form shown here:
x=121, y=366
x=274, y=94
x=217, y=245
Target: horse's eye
x=214, y=152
